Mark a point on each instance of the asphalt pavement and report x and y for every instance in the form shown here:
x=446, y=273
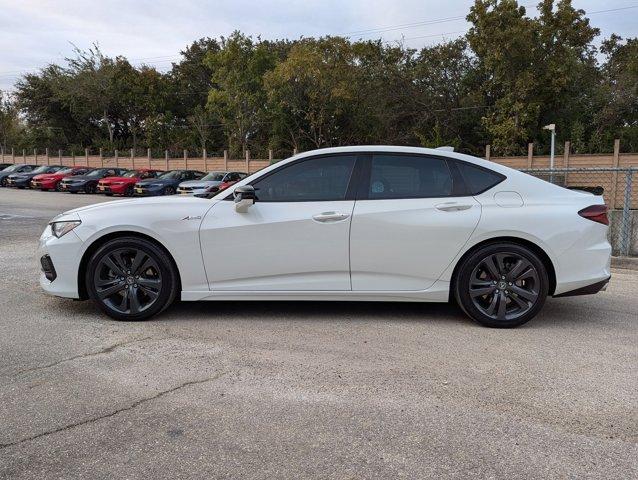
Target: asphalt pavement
x=307, y=390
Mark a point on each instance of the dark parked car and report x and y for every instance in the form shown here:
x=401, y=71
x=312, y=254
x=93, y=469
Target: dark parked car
x=17, y=168
x=166, y=184
x=23, y=180
x=88, y=183
x=4, y=165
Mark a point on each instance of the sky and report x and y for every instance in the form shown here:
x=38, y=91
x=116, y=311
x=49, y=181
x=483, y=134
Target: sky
x=34, y=33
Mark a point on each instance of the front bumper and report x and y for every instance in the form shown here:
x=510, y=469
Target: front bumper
x=148, y=191
x=72, y=187
x=64, y=255
x=112, y=188
x=20, y=183
x=44, y=185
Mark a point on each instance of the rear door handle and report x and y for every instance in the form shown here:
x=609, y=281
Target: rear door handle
x=327, y=217
x=452, y=206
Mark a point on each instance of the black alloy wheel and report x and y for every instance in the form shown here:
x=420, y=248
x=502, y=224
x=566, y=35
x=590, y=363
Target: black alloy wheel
x=3, y=182
x=502, y=285
x=90, y=187
x=131, y=279
x=58, y=186
x=129, y=191
x=169, y=190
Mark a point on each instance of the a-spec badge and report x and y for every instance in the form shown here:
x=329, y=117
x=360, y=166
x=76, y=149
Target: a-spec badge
x=190, y=217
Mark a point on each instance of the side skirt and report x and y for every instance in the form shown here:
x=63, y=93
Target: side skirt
x=439, y=292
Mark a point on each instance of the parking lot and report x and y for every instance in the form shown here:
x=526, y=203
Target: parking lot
x=307, y=390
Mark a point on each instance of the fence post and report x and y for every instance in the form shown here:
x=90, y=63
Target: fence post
x=487, y=152
x=59, y=156
x=13, y=156
x=269, y=156
x=530, y=154
x=148, y=156
x=132, y=159
x=186, y=159
x=117, y=158
x=625, y=238
x=614, y=176
x=35, y=155
x=86, y=156
x=46, y=152
x=24, y=156
x=2, y=149
x=166, y=158
x=73, y=155
x=226, y=160
x=247, y=161
x=205, y=155
x=294, y=151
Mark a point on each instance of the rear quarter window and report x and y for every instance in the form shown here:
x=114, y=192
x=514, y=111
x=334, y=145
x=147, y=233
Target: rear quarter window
x=478, y=179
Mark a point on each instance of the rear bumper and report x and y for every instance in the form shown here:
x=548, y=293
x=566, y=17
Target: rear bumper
x=586, y=290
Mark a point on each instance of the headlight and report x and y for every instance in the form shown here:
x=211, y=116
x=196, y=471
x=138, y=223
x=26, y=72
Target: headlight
x=60, y=229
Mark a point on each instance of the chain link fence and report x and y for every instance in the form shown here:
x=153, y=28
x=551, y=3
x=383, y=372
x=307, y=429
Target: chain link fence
x=616, y=185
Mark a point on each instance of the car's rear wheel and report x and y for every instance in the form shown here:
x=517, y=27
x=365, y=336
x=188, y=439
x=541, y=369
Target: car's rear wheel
x=130, y=278
x=501, y=285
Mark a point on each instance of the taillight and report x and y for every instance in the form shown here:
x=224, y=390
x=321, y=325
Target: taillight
x=595, y=213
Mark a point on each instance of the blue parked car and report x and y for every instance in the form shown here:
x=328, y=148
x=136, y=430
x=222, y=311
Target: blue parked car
x=165, y=184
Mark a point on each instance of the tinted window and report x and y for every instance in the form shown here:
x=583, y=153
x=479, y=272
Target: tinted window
x=318, y=179
x=409, y=176
x=478, y=179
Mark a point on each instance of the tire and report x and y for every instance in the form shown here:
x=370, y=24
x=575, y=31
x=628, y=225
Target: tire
x=501, y=285
x=3, y=182
x=58, y=187
x=129, y=191
x=143, y=293
x=108, y=194
x=90, y=188
x=168, y=191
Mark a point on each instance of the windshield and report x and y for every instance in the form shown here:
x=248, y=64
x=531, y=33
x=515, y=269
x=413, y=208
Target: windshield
x=12, y=168
x=172, y=175
x=215, y=176
x=66, y=170
x=95, y=173
x=42, y=169
x=132, y=173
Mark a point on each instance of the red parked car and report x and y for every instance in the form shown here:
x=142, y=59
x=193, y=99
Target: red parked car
x=51, y=181
x=124, y=185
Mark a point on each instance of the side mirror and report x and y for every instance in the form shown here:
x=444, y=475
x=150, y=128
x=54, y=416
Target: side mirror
x=244, y=198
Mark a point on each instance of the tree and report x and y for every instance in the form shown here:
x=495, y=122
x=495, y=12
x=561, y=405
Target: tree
x=238, y=96
x=10, y=126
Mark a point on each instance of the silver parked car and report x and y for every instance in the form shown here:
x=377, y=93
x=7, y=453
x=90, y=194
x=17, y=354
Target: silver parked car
x=210, y=184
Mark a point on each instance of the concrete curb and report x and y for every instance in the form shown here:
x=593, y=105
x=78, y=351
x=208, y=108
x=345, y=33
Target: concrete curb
x=629, y=263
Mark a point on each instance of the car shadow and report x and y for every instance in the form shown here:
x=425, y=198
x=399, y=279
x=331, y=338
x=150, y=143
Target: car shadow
x=316, y=311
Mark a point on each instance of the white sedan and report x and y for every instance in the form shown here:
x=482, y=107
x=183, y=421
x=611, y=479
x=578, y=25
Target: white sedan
x=351, y=223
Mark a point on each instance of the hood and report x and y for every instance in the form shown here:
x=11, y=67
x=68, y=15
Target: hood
x=200, y=183
x=49, y=176
x=24, y=175
x=154, y=202
x=107, y=180
x=81, y=178
x=163, y=181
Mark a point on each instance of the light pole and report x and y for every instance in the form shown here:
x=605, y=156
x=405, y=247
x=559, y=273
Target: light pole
x=552, y=128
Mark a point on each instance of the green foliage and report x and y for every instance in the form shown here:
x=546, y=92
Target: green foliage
x=510, y=75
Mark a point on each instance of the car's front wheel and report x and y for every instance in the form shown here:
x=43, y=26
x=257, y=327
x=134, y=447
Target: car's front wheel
x=169, y=191
x=131, y=278
x=501, y=285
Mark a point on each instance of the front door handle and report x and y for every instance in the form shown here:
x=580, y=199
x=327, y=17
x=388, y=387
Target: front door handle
x=452, y=206
x=326, y=217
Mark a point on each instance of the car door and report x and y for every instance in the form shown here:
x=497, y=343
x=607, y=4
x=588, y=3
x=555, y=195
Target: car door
x=410, y=220
x=295, y=235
